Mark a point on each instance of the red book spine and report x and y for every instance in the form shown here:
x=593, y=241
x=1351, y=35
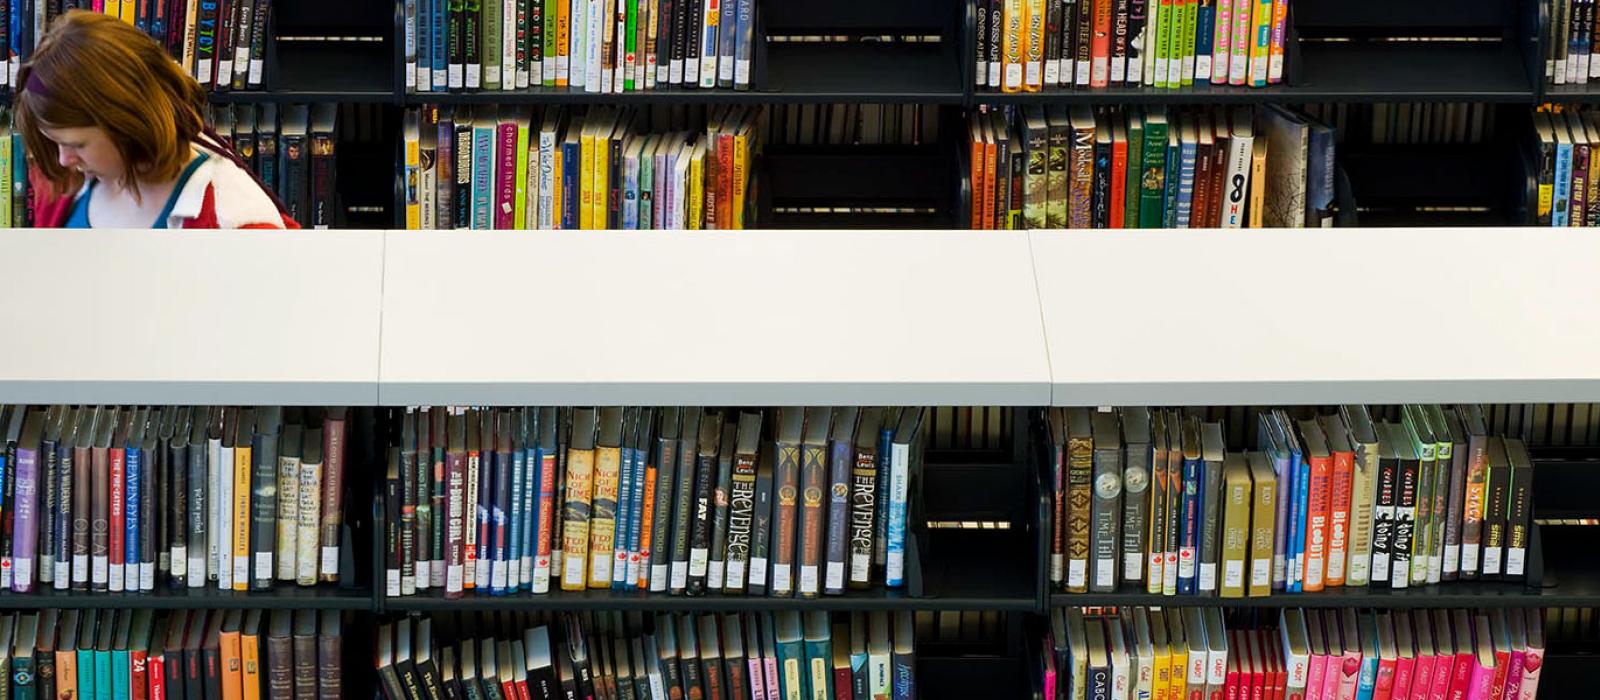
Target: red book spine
x=841, y=684
x=522, y=685
x=1202, y=184
x=138, y=675
x=1317, y=523
x=725, y=180
x=1119, y=182
x=1383, y=689
x=1502, y=668
x=158, y=677
x=1404, y=673
x=117, y=519
x=1100, y=45
x=509, y=688
x=1461, y=677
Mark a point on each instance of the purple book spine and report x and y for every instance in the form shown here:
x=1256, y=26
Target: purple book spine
x=506, y=187
x=26, y=531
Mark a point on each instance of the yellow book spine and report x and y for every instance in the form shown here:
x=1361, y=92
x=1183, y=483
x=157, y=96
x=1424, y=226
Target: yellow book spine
x=1163, y=674
x=413, y=164
x=575, y=519
x=603, y=518
x=697, y=189
x=1265, y=504
x=1235, y=526
x=741, y=174
x=1033, y=72
x=519, y=210
x=1012, y=44
x=5, y=178
x=586, y=188
x=563, y=42
x=602, y=181
x=241, y=518
x=1258, y=182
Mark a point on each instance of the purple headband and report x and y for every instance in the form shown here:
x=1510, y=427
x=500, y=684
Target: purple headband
x=34, y=84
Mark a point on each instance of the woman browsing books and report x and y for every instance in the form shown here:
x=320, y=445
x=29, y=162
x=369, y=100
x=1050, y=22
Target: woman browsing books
x=116, y=139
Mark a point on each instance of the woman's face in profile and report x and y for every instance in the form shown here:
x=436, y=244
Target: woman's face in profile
x=88, y=150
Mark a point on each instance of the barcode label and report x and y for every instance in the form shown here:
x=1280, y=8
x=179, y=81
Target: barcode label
x=1233, y=574
x=1105, y=573
x=697, y=561
x=809, y=579
x=330, y=561
x=782, y=578
x=392, y=583
x=758, y=571
x=1261, y=572
x=1208, y=577
x=835, y=576
x=1514, y=561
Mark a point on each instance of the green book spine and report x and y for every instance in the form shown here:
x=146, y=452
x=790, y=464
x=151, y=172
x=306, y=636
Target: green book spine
x=1164, y=43
x=1152, y=188
x=1191, y=20
x=1135, y=157
x=520, y=210
x=631, y=46
x=550, y=14
x=1169, y=199
x=491, y=46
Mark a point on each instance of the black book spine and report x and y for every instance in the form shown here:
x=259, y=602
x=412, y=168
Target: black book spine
x=455, y=28
x=150, y=530
x=761, y=531
x=981, y=59
x=264, y=510
x=463, y=193
x=472, y=34
x=1138, y=14
x=46, y=551
x=198, y=515
x=694, y=26
x=63, y=521
x=1084, y=40
x=700, y=525
x=680, y=20
x=1102, y=184
x=683, y=504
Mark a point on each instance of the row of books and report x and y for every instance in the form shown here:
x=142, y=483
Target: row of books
x=1028, y=45
x=1570, y=38
x=108, y=498
x=1338, y=654
x=1080, y=168
x=293, y=154
x=179, y=655
x=600, y=46
x=1389, y=123
x=611, y=655
x=1153, y=499
x=604, y=168
x=1568, y=170
x=221, y=43
x=680, y=500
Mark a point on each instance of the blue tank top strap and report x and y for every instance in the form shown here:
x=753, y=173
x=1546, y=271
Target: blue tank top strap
x=177, y=189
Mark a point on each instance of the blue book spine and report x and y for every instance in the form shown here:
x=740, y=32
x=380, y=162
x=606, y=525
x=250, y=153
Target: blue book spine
x=1189, y=527
x=726, y=43
x=519, y=466
x=530, y=510
x=1367, y=682
x=571, y=155
x=482, y=176
x=1296, y=537
x=880, y=536
x=421, y=20
x=636, y=525
x=119, y=674
x=630, y=194
x=102, y=671
x=1563, y=184
x=1170, y=197
x=86, y=674
x=1302, y=497
x=744, y=47
x=441, y=57
x=1205, y=28
x=1186, y=183
x=130, y=510
x=619, y=544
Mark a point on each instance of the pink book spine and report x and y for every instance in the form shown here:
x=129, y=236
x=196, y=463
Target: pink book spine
x=1532, y=662
x=1232, y=689
x=1422, y=678
x=1482, y=679
x=1404, y=669
x=505, y=186
x=1222, y=39
x=1314, y=675
x=1514, y=677
x=773, y=689
x=1461, y=676
x=1331, y=678
x=758, y=689
x=1049, y=682
x=1443, y=667
x=1350, y=675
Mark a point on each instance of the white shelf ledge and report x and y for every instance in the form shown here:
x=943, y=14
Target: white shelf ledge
x=184, y=317
x=1321, y=316
x=716, y=318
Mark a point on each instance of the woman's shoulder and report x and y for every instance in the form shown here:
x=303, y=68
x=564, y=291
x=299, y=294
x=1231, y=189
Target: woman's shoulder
x=222, y=195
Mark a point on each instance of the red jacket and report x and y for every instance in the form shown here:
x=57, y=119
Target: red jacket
x=218, y=195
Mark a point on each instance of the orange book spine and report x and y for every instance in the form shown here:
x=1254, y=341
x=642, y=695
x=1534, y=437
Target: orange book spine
x=988, y=183
x=1119, y=181
x=976, y=174
x=1317, y=523
x=646, y=525
x=1100, y=45
x=1344, y=465
x=232, y=667
x=725, y=179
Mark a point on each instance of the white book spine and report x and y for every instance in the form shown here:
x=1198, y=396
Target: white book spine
x=578, y=71
x=594, y=28
x=223, y=511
